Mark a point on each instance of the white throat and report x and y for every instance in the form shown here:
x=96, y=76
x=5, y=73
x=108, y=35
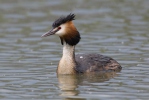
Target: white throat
x=67, y=64
x=68, y=52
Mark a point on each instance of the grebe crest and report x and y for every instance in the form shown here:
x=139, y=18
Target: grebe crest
x=81, y=63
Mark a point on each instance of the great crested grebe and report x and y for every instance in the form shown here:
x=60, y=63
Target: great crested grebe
x=80, y=63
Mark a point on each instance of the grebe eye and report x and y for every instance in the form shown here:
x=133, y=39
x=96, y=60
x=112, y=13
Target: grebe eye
x=59, y=28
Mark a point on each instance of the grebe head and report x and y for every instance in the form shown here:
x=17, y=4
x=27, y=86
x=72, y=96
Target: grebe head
x=65, y=29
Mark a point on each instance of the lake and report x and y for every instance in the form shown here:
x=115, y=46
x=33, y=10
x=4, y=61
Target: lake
x=116, y=28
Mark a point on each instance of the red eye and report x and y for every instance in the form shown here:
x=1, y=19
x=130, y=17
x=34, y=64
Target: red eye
x=59, y=28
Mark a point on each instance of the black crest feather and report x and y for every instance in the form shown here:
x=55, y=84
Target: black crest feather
x=63, y=19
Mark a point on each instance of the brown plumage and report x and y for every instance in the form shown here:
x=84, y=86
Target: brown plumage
x=81, y=63
x=71, y=36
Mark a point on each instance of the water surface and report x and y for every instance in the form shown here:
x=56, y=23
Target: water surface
x=114, y=28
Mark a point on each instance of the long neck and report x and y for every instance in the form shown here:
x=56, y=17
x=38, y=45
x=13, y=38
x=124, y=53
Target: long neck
x=67, y=63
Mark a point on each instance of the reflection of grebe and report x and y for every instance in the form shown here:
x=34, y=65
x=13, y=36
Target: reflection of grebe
x=70, y=85
x=81, y=63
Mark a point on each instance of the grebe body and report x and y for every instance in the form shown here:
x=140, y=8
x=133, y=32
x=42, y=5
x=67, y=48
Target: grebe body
x=80, y=63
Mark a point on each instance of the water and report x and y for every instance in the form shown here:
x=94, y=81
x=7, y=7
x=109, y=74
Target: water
x=114, y=28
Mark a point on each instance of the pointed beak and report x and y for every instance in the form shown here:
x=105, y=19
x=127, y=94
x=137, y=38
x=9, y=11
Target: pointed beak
x=51, y=32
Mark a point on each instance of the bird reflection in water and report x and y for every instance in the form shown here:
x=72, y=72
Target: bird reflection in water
x=69, y=84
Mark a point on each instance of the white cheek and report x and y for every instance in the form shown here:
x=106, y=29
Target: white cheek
x=61, y=31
